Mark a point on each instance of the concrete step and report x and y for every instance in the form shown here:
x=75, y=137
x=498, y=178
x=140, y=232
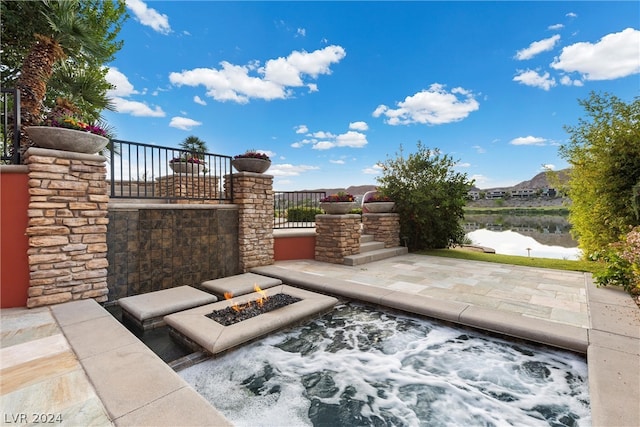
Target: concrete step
x=366, y=238
x=371, y=246
x=377, y=255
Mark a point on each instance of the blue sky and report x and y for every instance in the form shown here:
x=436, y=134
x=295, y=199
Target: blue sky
x=329, y=89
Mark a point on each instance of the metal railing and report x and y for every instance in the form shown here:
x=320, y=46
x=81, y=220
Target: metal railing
x=145, y=171
x=296, y=209
x=10, y=122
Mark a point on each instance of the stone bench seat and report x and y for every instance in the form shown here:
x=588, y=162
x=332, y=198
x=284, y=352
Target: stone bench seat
x=240, y=284
x=146, y=311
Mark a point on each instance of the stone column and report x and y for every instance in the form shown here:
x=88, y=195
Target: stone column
x=337, y=236
x=67, y=227
x=253, y=193
x=189, y=187
x=385, y=227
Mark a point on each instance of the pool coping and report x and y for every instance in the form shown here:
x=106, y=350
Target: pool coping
x=116, y=362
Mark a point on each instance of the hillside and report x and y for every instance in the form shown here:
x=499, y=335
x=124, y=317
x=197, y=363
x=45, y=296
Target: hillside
x=540, y=181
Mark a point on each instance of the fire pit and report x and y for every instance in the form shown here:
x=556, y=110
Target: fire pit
x=197, y=329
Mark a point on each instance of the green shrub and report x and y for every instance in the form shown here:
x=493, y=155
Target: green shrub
x=429, y=196
x=621, y=263
x=303, y=214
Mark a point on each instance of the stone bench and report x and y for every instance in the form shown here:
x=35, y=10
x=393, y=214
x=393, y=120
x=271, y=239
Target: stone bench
x=146, y=311
x=240, y=284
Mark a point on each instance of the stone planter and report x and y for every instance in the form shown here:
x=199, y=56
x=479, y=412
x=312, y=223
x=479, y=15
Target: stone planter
x=186, y=167
x=247, y=164
x=378, y=207
x=66, y=139
x=337, y=208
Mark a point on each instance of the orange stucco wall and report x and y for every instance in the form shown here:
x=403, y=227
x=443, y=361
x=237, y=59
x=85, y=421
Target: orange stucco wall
x=14, y=264
x=297, y=247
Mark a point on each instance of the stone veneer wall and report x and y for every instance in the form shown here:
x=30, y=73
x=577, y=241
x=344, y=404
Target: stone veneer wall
x=182, y=186
x=67, y=226
x=337, y=236
x=385, y=227
x=253, y=193
x=155, y=247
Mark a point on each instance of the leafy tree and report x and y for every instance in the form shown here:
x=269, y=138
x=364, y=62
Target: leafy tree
x=54, y=48
x=429, y=196
x=604, y=152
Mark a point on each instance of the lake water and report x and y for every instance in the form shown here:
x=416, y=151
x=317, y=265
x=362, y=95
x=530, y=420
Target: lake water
x=541, y=236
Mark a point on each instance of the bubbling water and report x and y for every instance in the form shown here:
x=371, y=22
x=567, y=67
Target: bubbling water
x=362, y=366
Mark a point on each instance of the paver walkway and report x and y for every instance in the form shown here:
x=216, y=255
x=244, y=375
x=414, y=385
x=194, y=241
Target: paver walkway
x=554, y=295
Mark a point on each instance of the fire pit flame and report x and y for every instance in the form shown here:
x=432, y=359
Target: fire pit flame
x=260, y=301
x=263, y=295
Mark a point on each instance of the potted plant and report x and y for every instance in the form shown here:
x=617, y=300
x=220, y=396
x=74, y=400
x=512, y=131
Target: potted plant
x=192, y=159
x=377, y=202
x=251, y=161
x=65, y=129
x=338, y=204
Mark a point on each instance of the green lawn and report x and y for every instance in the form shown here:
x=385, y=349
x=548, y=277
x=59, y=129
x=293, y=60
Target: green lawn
x=558, y=264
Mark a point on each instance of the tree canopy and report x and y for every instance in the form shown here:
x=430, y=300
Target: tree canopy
x=604, y=152
x=85, y=33
x=429, y=196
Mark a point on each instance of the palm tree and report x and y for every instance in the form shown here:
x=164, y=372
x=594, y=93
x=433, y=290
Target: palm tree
x=68, y=36
x=195, y=146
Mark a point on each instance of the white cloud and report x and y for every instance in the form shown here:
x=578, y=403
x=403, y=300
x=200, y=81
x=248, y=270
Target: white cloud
x=372, y=170
x=149, y=17
x=361, y=126
x=571, y=15
x=323, y=134
x=528, y=140
x=301, y=129
x=567, y=81
x=123, y=88
x=301, y=32
x=463, y=165
x=532, y=78
x=555, y=27
x=199, y=100
x=351, y=139
x=288, y=169
x=479, y=149
x=433, y=107
x=135, y=108
x=273, y=81
x=323, y=140
x=480, y=180
x=183, y=123
x=537, y=47
x=323, y=145
x=122, y=85
x=548, y=166
x=613, y=56
x=337, y=162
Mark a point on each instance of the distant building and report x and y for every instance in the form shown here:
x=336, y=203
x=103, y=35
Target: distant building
x=523, y=193
x=495, y=194
x=473, y=194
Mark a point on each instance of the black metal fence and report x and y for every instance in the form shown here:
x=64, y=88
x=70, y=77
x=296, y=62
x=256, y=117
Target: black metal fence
x=10, y=122
x=296, y=209
x=145, y=171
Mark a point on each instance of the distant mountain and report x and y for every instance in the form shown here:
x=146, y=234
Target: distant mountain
x=540, y=181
